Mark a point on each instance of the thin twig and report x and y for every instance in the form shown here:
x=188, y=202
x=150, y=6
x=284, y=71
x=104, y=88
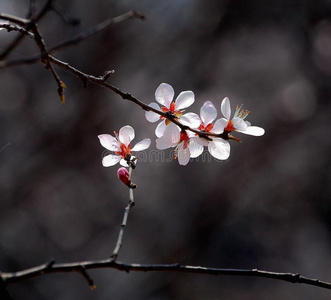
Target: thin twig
x=91, y=31
x=72, y=41
x=14, y=277
x=125, y=220
x=11, y=27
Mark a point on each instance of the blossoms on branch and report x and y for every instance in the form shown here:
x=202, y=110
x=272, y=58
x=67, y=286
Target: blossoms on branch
x=185, y=143
x=217, y=147
x=120, y=147
x=237, y=123
x=164, y=95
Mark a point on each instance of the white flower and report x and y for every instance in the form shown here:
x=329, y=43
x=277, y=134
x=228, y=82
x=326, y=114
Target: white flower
x=237, y=123
x=120, y=146
x=217, y=147
x=164, y=95
x=186, y=146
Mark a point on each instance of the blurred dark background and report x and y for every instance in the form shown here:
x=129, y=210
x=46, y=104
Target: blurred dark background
x=268, y=206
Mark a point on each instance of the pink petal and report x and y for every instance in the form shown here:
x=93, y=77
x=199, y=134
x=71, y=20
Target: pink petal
x=219, y=148
x=171, y=134
x=190, y=119
x=160, y=128
x=226, y=108
x=164, y=94
x=123, y=175
x=110, y=160
x=144, y=144
x=152, y=116
x=253, y=130
x=208, y=113
x=184, y=100
x=183, y=155
x=202, y=141
x=219, y=126
x=161, y=144
x=196, y=148
x=109, y=142
x=126, y=135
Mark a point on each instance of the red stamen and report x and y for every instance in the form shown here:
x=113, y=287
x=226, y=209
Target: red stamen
x=229, y=127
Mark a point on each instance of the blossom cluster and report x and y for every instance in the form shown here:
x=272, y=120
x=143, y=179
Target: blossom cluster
x=187, y=133
x=207, y=133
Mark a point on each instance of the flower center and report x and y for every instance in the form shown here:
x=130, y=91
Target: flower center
x=125, y=150
x=184, y=138
x=208, y=128
x=229, y=127
x=172, y=111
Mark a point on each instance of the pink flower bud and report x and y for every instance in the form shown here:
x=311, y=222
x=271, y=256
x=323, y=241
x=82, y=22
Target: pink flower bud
x=123, y=175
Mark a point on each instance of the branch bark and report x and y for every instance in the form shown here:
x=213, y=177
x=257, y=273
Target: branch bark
x=110, y=263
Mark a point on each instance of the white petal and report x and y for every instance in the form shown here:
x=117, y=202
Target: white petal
x=226, y=108
x=208, y=113
x=184, y=100
x=219, y=148
x=152, y=116
x=202, y=141
x=164, y=94
x=196, y=148
x=126, y=135
x=190, y=119
x=239, y=124
x=160, y=128
x=171, y=134
x=183, y=155
x=144, y=144
x=124, y=163
x=253, y=130
x=161, y=144
x=109, y=142
x=110, y=160
x=219, y=126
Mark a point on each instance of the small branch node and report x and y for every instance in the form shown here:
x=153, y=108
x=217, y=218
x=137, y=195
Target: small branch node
x=106, y=75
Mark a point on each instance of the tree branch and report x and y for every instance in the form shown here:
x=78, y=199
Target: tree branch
x=18, y=40
x=125, y=219
x=48, y=268
x=72, y=41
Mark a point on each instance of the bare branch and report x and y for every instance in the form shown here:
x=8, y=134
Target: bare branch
x=9, y=278
x=18, y=40
x=22, y=30
x=125, y=219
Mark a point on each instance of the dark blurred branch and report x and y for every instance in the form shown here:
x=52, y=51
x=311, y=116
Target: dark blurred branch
x=125, y=219
x=9, y=278
x=72, y=41
x=67, y=19
x=18, y=40
x=44, y=56
x=91, y=31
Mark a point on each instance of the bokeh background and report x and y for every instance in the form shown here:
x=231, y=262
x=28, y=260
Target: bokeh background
x=268, y=206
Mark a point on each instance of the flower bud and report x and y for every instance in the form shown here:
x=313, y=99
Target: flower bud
x=123, y=175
